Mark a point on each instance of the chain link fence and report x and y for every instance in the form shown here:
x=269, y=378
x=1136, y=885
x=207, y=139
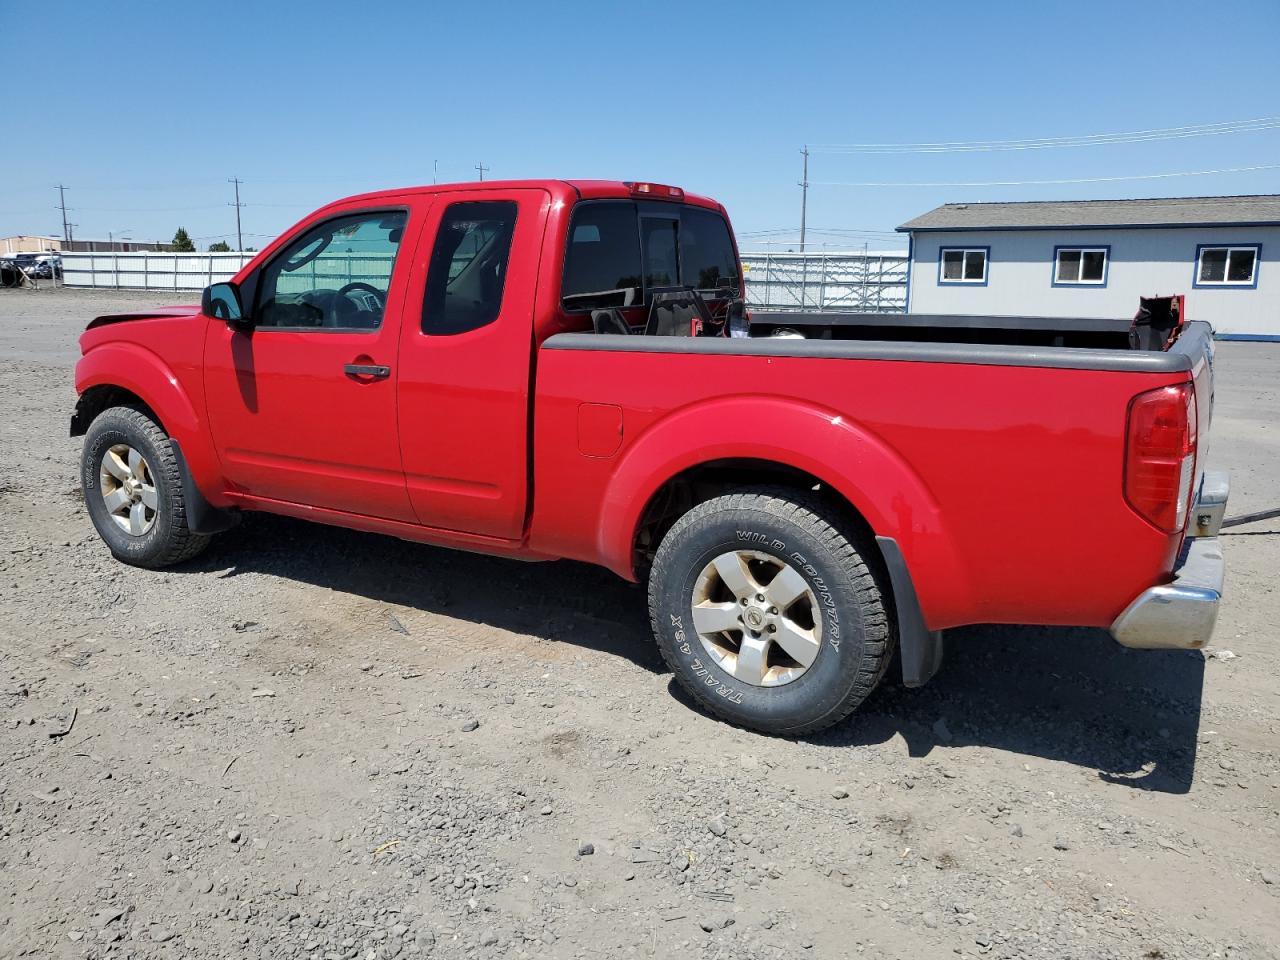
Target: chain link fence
x=849, y=282
x=845, y=282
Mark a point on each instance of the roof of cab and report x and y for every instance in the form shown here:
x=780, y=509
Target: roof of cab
x=566, y=190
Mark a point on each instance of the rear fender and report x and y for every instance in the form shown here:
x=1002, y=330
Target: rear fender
x=891, y=497
x=135, y=368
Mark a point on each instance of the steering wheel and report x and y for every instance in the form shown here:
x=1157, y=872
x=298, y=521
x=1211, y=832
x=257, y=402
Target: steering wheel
x=378, y=295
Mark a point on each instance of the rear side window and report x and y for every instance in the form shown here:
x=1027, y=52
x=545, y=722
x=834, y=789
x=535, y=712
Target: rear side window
x=468, y=267
x=707, y=260
x=602, y=263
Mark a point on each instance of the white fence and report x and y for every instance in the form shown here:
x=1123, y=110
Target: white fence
x=850, y=282
x=854, y=282
x=150, y=271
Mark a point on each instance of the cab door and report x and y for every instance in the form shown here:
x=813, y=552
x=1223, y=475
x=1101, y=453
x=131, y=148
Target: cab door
x=302, y=402
x=466, y=359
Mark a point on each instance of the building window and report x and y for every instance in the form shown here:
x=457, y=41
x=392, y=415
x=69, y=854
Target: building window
x=1234, y=266
x=1080, y=266
x=963, y=265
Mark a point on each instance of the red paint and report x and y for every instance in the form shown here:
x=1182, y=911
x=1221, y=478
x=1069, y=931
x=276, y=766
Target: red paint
x=599, y=429
x=1004, y=486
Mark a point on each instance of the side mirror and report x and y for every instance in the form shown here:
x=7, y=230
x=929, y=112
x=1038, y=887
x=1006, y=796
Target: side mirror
x=222, y=302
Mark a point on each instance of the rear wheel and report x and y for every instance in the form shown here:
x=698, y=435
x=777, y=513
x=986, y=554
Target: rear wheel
x=133, y=490
x=766, y=611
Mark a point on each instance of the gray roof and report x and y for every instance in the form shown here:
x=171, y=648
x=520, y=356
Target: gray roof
x=1084, y=214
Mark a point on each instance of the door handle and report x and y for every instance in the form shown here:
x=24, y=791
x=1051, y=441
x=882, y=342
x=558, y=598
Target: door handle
x=374, y=370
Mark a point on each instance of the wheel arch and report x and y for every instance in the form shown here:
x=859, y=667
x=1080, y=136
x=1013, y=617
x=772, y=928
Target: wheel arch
x=710, y=478
x=126, y=374
x=786, y=442
x=103, y=396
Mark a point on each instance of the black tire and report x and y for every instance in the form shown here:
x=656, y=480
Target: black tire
x=808, y=534
x=168, y=541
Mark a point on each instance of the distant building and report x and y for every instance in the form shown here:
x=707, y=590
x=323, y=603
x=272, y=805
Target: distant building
x=24, y=243
x=29, y=244
x=112, y=246
x=1095, y=258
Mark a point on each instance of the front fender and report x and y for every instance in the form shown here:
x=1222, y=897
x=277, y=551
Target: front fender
x=143, y=373
x=850, y=459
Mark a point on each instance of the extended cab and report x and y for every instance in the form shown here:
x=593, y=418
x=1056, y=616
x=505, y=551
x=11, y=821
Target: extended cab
x=561, y=369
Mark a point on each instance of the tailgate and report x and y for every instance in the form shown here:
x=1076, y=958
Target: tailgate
x=1209, y=489
x=1200, y=346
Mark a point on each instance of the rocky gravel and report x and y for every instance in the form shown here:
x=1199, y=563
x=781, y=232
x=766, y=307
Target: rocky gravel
x=315, y=743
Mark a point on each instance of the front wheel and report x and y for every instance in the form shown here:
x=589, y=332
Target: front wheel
x=133, y=490
x=767, y=612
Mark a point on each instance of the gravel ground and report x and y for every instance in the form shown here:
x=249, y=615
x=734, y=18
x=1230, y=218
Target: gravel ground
x=317, y=743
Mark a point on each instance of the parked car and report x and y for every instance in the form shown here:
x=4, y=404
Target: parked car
x=39, y=266
x=45, y=267
x=549, y=378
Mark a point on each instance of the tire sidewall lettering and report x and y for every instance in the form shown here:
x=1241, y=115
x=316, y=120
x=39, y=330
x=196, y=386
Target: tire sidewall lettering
x=700, y=669
x=97, y=443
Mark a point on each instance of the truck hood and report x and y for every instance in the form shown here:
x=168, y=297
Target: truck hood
x=152, y=313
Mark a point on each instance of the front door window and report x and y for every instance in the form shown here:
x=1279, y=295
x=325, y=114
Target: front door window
x=333, y=277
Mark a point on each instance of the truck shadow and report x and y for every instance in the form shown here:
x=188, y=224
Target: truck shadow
x=1066, y=694
x=557, y=601
x=1070, y=694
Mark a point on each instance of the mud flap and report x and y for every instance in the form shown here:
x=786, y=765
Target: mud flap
x=202, y=516
x=920, y=647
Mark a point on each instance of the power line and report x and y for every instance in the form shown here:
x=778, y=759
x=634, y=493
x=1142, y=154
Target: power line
x=227, y=236
x=209, y=206
x=762, y=235
x=1037, y=183
x=239, y=237
x=1044, y=143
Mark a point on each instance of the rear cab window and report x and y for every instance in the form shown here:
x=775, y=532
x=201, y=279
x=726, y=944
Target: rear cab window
x=619, y=251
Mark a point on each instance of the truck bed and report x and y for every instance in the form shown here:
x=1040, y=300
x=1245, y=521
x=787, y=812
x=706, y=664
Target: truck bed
x=1082, y=332
x=996, y=466
x=986, y=341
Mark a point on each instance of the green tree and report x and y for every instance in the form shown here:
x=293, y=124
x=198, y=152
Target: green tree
x=220, y=246
x=182, y=241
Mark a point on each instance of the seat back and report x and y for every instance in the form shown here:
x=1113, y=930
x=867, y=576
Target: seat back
x=609, y=320
x=676, y=312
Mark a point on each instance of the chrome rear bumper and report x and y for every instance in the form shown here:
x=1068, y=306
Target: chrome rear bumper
x=1181, y=615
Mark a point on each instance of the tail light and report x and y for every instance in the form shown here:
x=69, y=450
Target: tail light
x=1160, y=455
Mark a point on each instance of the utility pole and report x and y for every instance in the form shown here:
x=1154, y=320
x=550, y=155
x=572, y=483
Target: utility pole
x=239, y=238
x=804, y=194
x=435, y=171
x=62, y=205
x=482, y=168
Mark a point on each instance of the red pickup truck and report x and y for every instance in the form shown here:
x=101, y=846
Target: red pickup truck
x=556, y=369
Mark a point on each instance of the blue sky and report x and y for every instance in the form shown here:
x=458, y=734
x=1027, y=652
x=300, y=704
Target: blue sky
x=145, y=110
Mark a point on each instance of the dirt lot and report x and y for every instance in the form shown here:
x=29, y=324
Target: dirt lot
x=271, y=751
